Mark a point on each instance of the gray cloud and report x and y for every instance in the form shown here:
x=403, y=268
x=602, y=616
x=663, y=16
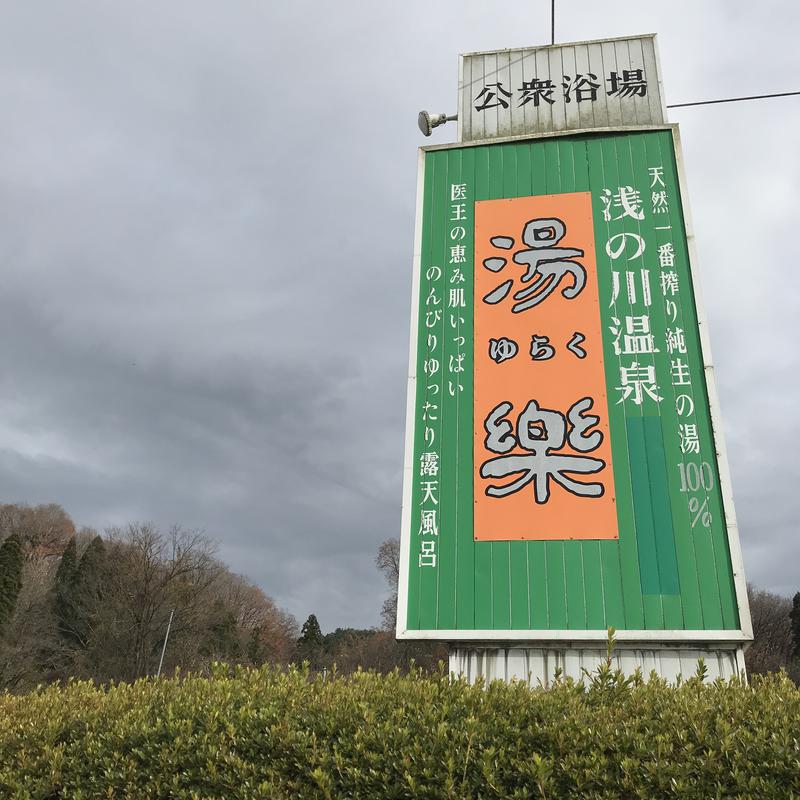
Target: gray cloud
x=205, y=256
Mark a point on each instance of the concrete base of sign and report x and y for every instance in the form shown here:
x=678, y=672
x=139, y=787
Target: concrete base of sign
x=537, y=664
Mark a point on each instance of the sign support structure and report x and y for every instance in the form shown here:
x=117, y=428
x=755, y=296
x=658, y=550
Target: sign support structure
x=565, y=469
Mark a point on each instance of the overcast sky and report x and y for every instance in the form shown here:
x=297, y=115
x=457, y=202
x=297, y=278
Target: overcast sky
x=206, y=229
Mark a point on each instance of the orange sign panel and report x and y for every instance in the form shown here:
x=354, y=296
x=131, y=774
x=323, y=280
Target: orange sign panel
x=543, y=465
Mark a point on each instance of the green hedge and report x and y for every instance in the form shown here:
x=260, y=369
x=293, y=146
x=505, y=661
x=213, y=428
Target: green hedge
x=275, y=734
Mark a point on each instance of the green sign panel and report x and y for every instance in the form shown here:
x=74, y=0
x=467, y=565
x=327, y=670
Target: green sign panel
x=562, y=472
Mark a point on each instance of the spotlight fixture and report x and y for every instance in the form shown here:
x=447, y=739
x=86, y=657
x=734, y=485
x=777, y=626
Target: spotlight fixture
x=427, y=122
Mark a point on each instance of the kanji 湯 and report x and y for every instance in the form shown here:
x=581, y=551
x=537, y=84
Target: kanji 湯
x=547, y=265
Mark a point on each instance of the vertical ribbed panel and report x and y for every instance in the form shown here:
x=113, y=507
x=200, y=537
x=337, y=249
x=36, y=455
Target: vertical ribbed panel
x=583, y=88
x=537, y=666
x=671, y=567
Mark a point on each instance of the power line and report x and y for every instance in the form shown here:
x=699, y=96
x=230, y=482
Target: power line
x=733, y=99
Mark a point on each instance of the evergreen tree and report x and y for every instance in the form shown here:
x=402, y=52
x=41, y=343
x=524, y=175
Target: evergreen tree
x=309, y=645
x=310, y=633
x=257, y=651
x=11, y=563
x=87, y=590
x=794, y=615
x=223, y=634
x=64, y=602
x=90, y=575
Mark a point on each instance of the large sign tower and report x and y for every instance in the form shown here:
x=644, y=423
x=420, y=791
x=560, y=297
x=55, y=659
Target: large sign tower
x=565, y=470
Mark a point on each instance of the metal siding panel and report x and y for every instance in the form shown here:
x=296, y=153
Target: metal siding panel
x=669, y=665
x=705, y=561
x=429, y=578
x=600, y=108
x=544, y=113
x=648, y=662
x=572, y=663
x=689, y=660
x=465, y=555
x=643, y=513
x=418, y=596
x=612, y=609
x=448, y=514
x=641, y=105
x=736, y=583
x=516, y=181
x=484, y=610
x=631, y=153
x=586, y=110
x=663, y=528
x=711, y=548
x=529, y=112
x=478, y=82
x=573, y=573
x=501, y=564
x=569, y=71
x=537, y=666
x=538, y=585
x=613, y=104
x=511, y=67
x=517, y=116
x=654, y=98
x=593, y=585
x=460, y=103
x=491, y=125
x=537, y=568
x=465, y=100
x=476, y=68
x=554, y=551
x=517, y=665
x=628, y=110
x=594, y=611
x=573, y=555
x=556, y=586
x=401, y=624
x=559, y=112
x=689, y=602
x=505, y=117
x=628, y=549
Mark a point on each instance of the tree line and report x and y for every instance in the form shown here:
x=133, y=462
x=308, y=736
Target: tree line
x=74, y=603
x=776, y=633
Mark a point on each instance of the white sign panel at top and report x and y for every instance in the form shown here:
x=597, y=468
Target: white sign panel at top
x=601, y=84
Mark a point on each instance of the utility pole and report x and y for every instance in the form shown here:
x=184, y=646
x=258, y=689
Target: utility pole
x=164, y=647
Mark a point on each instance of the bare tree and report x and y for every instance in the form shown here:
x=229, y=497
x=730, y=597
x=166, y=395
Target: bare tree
x=772, y=634
x=30, y=646
x=388, y=562
x=153, y=574
x=267, y=633
x=44, y=528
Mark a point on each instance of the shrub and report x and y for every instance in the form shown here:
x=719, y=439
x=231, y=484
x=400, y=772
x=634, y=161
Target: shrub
x=268, y=733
